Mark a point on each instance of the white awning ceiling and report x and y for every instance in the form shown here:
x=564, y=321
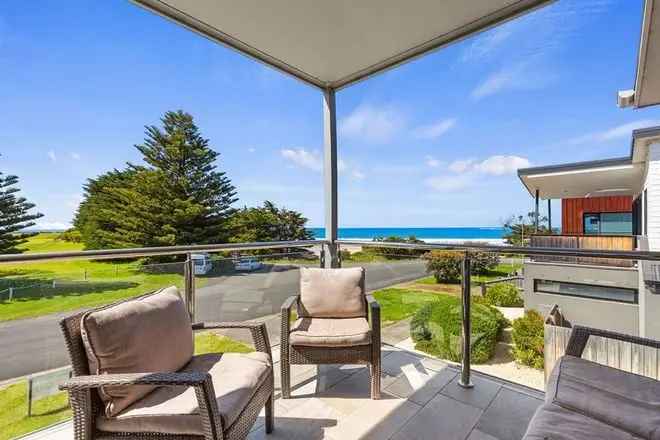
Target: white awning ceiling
x=331, y=44
x=611, y=177
x=647, y=82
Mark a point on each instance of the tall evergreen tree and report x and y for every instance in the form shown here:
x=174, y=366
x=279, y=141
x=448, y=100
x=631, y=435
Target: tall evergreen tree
x=15, y=216
x=177, y=197
x=268, y=223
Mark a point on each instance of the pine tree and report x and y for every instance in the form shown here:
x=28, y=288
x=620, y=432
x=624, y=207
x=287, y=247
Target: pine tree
x=177, y=197
x=15, y=216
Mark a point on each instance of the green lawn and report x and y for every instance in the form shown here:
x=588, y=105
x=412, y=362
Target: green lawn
x=106, y=281
x=501, y=271
x=48, y=242
x=397, y=304
x=50, y=410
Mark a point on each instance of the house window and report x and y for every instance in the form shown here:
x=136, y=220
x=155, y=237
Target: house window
x=608, y=223
x=605, y=293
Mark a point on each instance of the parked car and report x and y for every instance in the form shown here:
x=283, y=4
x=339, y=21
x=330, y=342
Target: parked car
x=202, y=263
x=248, y=264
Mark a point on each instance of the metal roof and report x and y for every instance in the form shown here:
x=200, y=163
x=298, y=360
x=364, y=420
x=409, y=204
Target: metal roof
x=331, y=44
x=616, y=176
x=647, y=80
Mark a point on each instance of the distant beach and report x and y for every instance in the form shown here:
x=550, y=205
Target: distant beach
x=491, y=235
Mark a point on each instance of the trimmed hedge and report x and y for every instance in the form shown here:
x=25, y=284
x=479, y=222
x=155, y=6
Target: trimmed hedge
x=436, y=329
x=528, y=339
x=504, y=295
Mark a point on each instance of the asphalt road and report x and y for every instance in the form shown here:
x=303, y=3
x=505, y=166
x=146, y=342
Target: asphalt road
x=32, y=345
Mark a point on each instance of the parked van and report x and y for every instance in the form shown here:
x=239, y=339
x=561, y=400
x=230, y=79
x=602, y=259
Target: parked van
x=201, y=263
x=248, y=264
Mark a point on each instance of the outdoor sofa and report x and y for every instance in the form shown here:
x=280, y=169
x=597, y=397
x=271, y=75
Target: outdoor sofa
x=586, y=400
x=135, y=375
x=337, y=323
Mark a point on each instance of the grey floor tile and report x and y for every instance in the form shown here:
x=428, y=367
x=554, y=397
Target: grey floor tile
x=480, y=395
x=508, y=415
x=442, y=418
x=419, y=384
x=393, y=363
x=480, y=435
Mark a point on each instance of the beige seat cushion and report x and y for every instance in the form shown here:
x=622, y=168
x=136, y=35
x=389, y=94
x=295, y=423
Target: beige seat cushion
x=332, y=293
x=174, y=410
x=330, y=332
x=148, y=334
x=623, y=400
x=552, y=422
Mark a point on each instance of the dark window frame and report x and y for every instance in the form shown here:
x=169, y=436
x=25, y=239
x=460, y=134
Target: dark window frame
x=574, y=295
x=600, y=222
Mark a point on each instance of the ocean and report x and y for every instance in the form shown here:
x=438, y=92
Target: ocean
x=486, y=234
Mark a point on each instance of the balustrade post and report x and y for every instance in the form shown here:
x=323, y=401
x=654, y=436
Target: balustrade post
x=465, y=380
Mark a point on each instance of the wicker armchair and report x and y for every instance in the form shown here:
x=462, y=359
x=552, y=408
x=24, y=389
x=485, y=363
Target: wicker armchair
x=207, y=416
x=337, y=324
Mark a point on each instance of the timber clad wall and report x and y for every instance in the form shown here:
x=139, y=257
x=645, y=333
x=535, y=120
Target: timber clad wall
x=572, y=210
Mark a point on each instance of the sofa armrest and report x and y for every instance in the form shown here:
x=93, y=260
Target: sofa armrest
x=580, y=335
x=156, y=379
x=257, y=330
x=373, y=310
x=286, y=319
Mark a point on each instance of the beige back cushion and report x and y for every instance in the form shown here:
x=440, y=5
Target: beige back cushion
x=332, y=293
x=148, y=334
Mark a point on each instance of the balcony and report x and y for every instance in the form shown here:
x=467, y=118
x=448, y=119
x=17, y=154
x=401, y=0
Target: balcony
x=421, y=395
x=420, y=400
x=587, y=242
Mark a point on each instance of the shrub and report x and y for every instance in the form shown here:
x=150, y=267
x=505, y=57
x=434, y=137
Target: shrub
x=504, y=295
x=445, y=265
x=483, y=262
x=436, y=329
x=395, y=253
x=528, y=339
x=71, y=235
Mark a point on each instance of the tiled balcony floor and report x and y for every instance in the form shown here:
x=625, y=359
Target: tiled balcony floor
x=420, y=400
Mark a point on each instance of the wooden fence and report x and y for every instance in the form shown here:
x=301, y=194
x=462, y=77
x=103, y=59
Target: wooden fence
x=633, y=358
x=593, y=242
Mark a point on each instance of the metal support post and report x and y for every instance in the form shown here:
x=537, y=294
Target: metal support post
x=465, y=381
x=189, y=286
x=330, y=177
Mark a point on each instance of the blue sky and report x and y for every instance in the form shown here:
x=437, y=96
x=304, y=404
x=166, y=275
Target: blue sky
x=435, y=142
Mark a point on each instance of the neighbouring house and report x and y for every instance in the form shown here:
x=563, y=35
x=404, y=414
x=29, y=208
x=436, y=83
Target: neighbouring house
x=610, y=204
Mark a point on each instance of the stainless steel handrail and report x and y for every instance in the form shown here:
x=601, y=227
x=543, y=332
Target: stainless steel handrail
x=508, y=250
x=155, y=251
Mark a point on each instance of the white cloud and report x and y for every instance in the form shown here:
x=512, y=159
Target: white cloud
x=435, y=130
x=618, y=132
x=74, y=201
x=488, y=42
x=448, y=183
x=357, y=174
x=524, y=75
x=303, y=158
x=75, y=156
x=495, y=165
x=52, y=156
x=312, y=160
x=501, y=165
x=433, y=162
x=251, y=150
x=461, y=166
x=51, y=226
x=373, y=124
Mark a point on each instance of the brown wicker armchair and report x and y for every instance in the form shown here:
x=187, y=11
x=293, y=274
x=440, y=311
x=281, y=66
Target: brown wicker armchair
x=337, y=324
x=205, y=399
